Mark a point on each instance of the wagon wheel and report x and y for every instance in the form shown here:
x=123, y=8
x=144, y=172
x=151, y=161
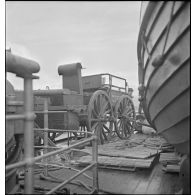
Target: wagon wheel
x=125, y=114
x=101, y=116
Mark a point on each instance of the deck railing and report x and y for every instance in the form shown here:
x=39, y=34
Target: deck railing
x=94, y=163
x=25, y=68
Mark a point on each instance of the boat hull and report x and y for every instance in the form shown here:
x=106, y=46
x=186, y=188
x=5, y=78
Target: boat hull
x=164, y=70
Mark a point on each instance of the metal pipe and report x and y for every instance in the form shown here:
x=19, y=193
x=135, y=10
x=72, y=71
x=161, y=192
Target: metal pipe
x=51, y=111
x=95, y=161
x=68, y=138
x=21, y=66
x=33, y=160
x=49, y=147
x=15, y=117
x=14, y=103
x=45, y=132
x=51, y=92
x=28, y=135
x=70, y=179
x=63, y=130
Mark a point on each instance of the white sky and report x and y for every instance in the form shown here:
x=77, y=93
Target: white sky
x=100, y=35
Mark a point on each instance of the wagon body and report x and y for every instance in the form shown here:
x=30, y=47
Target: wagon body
x=115, y=86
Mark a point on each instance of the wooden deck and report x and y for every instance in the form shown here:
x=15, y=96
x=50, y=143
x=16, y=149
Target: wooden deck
x=143, y=175
x=143, y=181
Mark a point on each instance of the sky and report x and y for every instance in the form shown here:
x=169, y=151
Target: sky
x=100, y=35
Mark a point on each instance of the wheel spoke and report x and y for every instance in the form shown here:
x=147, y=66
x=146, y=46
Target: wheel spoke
x=130, y=112
x=100, y=135
x=120, y=125
x=94, y=126
x=105, y=127
x=104, y=134
x=130, y=124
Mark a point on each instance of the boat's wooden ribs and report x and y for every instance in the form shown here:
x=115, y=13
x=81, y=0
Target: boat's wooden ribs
x=176, y=111
x=159, y=101
x=177, y=135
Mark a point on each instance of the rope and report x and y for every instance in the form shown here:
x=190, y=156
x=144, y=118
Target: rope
x=145, y=45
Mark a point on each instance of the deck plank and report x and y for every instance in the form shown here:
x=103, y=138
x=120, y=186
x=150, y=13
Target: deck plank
x=116, y=161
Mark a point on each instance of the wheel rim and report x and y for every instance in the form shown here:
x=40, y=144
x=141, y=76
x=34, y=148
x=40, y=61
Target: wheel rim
x=100, y=116
x=125, y=114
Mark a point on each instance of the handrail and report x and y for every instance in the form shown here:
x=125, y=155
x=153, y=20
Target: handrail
x=70, y=179
x=32, y=160
x=63, y=130
x=25, y=68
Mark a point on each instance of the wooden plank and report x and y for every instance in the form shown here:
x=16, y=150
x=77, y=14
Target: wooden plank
x=115, y=161
x=120, y=182
x=172, y=168
x=170, y=183
x=140, y=152
x=169, y=158
x=154, y=182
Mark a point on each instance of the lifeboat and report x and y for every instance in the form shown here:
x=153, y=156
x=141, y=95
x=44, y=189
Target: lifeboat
x=163, y=50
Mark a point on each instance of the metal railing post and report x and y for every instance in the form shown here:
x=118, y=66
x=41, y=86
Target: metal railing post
x=68, y=138
x=28, y=134
x=95, y=160
x=45, y=133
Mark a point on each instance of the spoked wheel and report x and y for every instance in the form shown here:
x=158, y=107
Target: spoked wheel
x=101, y=116
x=125, y=114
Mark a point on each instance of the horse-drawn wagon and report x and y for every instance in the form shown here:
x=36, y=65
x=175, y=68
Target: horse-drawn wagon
x=93, y=103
